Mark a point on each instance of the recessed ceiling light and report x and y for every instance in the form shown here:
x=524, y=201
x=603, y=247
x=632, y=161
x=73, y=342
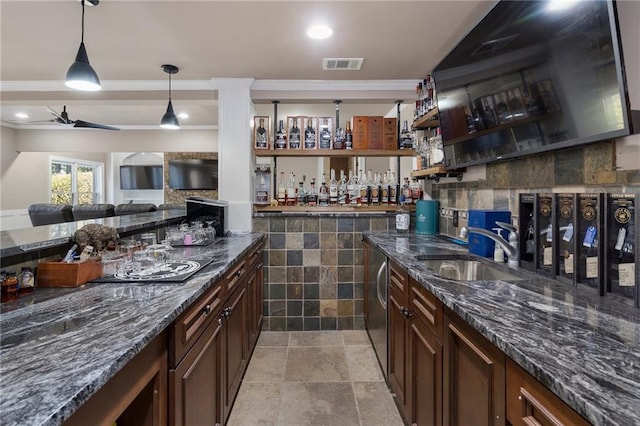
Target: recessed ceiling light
x=183, y=115
x=319, y=32
x=21, y=115
x=556, y=5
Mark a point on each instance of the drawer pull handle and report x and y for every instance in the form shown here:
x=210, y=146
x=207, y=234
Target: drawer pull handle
x=406, y=312
x=226, y=313
x=259, y=265
x=207, y=310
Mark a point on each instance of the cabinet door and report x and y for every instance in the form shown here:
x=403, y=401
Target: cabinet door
x=254, y=289
x=194, y=386
x=425, y=375
x=235, y=329
x=398, y=350
x=474, y=376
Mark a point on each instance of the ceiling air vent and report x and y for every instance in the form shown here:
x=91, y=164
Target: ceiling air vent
x=342, y=64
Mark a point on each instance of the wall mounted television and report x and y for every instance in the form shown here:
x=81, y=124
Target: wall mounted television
x=531, y=77
x=193, y=174
x=141, y=177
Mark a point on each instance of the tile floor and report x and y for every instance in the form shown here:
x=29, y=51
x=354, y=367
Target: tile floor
x=314, y=378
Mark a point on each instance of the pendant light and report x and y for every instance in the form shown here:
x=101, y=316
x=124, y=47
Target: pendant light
x=81, y=76
x=169, y=119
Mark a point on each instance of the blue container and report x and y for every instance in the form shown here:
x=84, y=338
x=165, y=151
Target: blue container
x=486, y=219
x=427, y=217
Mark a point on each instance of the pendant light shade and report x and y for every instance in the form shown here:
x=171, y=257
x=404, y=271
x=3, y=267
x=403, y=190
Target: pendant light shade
x=81, y=76
x=169, y=119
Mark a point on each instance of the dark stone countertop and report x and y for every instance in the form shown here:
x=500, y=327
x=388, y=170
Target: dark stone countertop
x=583, y=347
x=24, y=240
x=57, y=351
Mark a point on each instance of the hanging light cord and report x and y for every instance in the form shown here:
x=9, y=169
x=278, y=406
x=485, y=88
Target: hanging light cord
x=82, y=33
x=169, y=87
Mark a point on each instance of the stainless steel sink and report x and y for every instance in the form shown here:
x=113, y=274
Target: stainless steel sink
x=466, y=270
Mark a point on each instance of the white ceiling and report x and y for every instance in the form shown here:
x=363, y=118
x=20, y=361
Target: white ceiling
x=128, y=41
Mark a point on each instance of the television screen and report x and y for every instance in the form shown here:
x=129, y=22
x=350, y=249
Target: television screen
x=530, y=77
x=193, y=174
x=141, y=177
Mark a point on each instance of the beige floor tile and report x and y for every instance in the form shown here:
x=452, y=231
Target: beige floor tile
x=317, y=404
x=319, y=364
x=256, y=404
x=363, y=364
x=273, y=338
x=355, y=337
x=267, y=365
x=316, y=338
x=375, y=405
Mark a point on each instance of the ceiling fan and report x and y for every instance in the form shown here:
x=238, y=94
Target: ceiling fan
x=63, y=118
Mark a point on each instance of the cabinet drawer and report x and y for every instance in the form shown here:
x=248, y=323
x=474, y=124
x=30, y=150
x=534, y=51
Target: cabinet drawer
x=530, y=403
x=233, y=277
x=190, y=325
x=255, y=256
x=427, y=308
x=399, y=281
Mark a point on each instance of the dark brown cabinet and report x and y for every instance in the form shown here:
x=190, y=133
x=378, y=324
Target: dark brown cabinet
x=255, y=284
x=398, y=334
x=235, y=350
x=530, y=403
x=474, y=376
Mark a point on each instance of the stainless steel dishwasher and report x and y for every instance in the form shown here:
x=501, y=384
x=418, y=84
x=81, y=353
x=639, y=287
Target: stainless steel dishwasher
x=376, y=313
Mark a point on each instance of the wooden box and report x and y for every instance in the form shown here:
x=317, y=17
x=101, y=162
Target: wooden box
x=359, y=130
x=59, y=274
x=375, y=140
x=390, y=134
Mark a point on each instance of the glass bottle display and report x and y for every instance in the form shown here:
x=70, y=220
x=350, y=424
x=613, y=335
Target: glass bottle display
x=348, y=136
x=291, y=190
x=312, y=195
x=310, y=135
x=323, y=194
x=333, y=189
x=406, y=138
x=282, y=191
x=262, y=138
x=325, y=135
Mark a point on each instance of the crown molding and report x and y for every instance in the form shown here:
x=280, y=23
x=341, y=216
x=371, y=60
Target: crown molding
x=334, y=85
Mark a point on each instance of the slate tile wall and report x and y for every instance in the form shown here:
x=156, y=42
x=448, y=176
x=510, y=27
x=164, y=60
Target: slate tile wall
x=314, y=274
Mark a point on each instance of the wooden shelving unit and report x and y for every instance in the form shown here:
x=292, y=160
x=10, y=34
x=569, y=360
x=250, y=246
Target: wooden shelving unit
x=427, y=121
x=437, y=172
x=333, y=153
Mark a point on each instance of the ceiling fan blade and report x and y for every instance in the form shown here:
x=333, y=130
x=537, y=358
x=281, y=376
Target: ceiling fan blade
x=89, y=125
x=55, y=113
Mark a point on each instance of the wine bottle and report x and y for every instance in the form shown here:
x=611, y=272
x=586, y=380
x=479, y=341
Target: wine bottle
x=281, y=137
x=294, y=135
x=309, y=135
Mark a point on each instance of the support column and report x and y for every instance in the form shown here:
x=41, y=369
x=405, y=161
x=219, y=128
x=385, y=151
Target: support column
x=234, y=149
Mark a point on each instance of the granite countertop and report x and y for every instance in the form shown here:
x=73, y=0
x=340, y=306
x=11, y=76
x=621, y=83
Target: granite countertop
x=583, y=347
x=24, y=240
x=55, y=352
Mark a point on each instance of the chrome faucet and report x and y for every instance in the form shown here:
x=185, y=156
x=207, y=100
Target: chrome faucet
x=511, y=247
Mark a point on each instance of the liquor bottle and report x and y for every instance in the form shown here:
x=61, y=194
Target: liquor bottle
x=262, y=139
x=353, y=190
x=323, y=195
x=406, y=190
x=374, y=189
x=300, y=197
x=342, y=189
x=291, y=190
x=294, y=135
x=281, y=137
x=333, y=188
x=402, y=218
x=364, y=189
x=305, y=189
x=416, y=191
x=312, y=195
x=394, y=189
x=338, y=142
x=384, y=190
x=282, y=191
x=309, y=135
x=348, y=137
x=406, y=139
x=325, y=135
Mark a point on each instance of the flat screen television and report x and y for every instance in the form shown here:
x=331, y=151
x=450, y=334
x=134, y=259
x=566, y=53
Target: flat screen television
x=141, y=177
x=193, y=174
x=532, y=76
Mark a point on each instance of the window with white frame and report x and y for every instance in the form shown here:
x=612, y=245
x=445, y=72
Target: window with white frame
x=75, y=181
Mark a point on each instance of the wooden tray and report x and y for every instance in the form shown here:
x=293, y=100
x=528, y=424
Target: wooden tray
x=59, y=274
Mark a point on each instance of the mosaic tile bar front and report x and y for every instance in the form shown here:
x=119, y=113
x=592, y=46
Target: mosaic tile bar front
x=314, y=274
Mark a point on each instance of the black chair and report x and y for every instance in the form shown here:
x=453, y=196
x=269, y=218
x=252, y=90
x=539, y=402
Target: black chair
x=131, y=208
x=93, y=211
x=47, y=213
x=170, y=206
